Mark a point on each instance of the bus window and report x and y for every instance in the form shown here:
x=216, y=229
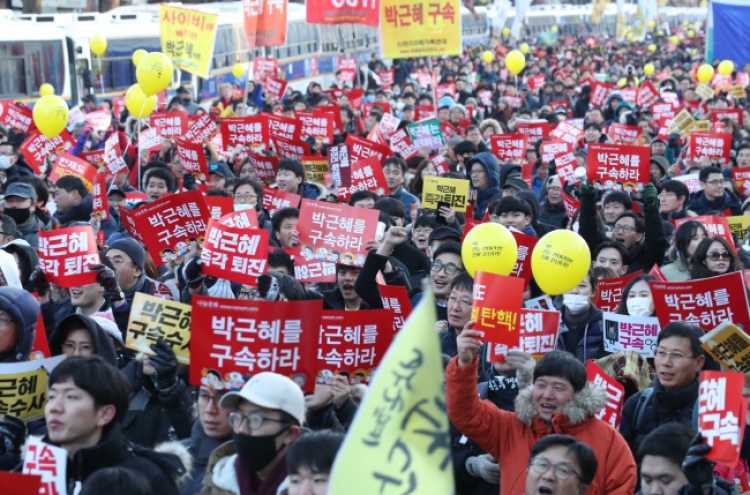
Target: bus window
x=53, y=65
x=12, y=76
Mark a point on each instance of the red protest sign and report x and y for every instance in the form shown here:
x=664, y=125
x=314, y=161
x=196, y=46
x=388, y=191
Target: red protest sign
x=449, y=130
x=66, y=254
x=386, y=77
x=100, y=120
x=283, y=127
x=396, y=299
x=15, y=117
x=647, y=95
x=560, y=104
x=727, y=113
x=37, y=147
x=23, y=484
x=424, y=112
x=515, y=101
x=609, y=294
x=219, y=206
x=192, y=158
x=721, y=414
x=235, y=253
x=244, y=219
x=263, y=67
x=612, y=412
x=150, y=140
x=571, y=204
x=661, y=110
x=274, y=88
x=67, y=164
x=496, y=304
x=402, y=144
x=362, y=148
x=202, y=129
x=629, y=94
x=244, y=131
x=316, y=126
x=538, y=335
x=240, y=337
x=367, y=175
x=170, y=224
x=526, y=244
x=355, y=98
x=624, y=134
x=265, y=22
x=715, y=226
x=274, y=200
x=715, y=146
x=265, y=166
x=339, y=166
x=566, y=166
x=447, y=89
x=332, y=234
x=741, y=176
x=611, y=164
x=290, y=149
x=567, y=132
x=346, y=66
x=599, y=92
x=509, y=148
x=536, y=82
x=100, y=203
x=113, y=160
x=550, y=149
x=170, y=124
x=705, y=302
x=352, y=341
x=95, y=158
x=333, y=113
x=535, y=129
x=334, y=12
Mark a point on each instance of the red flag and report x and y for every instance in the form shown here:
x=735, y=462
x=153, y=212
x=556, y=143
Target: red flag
x=265, y=22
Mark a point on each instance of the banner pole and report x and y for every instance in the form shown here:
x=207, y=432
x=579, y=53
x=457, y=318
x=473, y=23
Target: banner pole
x=434, y=86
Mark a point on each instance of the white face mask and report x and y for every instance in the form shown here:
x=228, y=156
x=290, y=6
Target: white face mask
x=4, y=162
x=639, y=306
x=575, y=302
x=244, y=207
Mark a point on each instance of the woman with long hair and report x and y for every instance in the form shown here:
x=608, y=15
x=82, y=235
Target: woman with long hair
x=687, y=238
x=714, y=256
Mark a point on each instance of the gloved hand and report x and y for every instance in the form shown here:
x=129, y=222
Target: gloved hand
x=650, y=194
x=194, y=273
x=38, y=282
x=12, y=436
x=586, y=190
x=698, y=470
x=485, y=467
x=188, y=182
x=108, y=280
x=673, y=141
x=164, y=362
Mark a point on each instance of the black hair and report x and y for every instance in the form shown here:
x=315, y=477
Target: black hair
x=160, y=173
x=463, y=281
x=103, y=382
x=564, y=365
x=640, y=225
x=116, y=481
x=448, y=247
x=8, y=225
x=624, y=253
x=698, y=269
x=465, y=147
x=703, y=175
x=676, y=187
x=348, y=111
x=42, y=191
x=279, y=257
x=292, y=165
x=394, y=160
x=315, y=451
x=684, y=236
x=425, y=221
x=684, y=330
x=281, y=215
x=585, y=455
x=603, y=272
x=257, y=187
x=618, y=197
x=670, y=440
x=360, y=195
x=510, y=204
x=72, y=183
x=391, y=206
x=622, y=306
x=592, y=125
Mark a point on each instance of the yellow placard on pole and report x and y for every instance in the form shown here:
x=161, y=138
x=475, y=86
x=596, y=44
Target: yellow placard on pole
x=24, y=389
x=704, y=91
x=729, y=345
x=315, y=169
x=420, y=28
x=187, y=38
x=682, y=123
x=701, y=126
x=443, y=189
x=738, y=226
x=152, y=317
x=737, y=91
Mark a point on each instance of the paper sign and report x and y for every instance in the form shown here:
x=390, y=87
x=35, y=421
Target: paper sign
x=715, y=226
x=187, y=38
x=367, y=175
x=316, y=168
x=682, y=123
x=538, y=335
x=113, y=160
x=48, y=462
x=317, y=126
x=152, y=317
x=402, y=144
x=192, y=158
x=721, y=415
x=735, y=114
x=245, y=131
x=624, y=134
x=525, y=245
x=218, y=206
x=265, y=166
x=496, y=304
x=37, y=147
x=443, y=189
x=21, y=484
x=18, y=118
x=245, y=219
x=630, y=333
x=567, y=132
x=274, y=200
x=729, y=345
x=691, y=181
x=100, y=204
x=612, y=412
x=535, y=129
x=551, y=149
x=618, y=166
x=509, y=148
x=202, y=129
x=283, y=127
x=235, y=253
x=426, y=134
x=274, y=88
x=422, y=30
x=290, y=149
x=609, y=295
x=232, y=338
x=66, y=254
x=263, y=67
x=67, y=164
x=339, y=166
x=397, y=300
x=25, y=387
x=716, y=147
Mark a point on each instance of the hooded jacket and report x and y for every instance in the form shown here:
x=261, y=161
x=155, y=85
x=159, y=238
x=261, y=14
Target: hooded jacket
x=28, y=259
x=510, y=436
x=102, y=342
x=9, y=270
x=24, y=309
x=700, y=204
x=78, y=213
x=553, y=214
x=199, y=446
x=591, y=344
x=492, y=191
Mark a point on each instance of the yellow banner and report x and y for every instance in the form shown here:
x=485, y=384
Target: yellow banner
x=402, y=418
x=730, y=346
x=597, y=9
x=442, y=189
x=23, y=387
x=682, y=123
x=315, y=169
x=187, y=38
x=738, y=226
x=420, y=28
x=152, y=317
x=737, y=91
x=704, y=91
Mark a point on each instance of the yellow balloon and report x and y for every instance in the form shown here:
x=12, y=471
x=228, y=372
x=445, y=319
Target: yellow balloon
x=506, y=32
x=622, y=82
x=50, y=115
x=629, y=36
x=674, y=40
x=138, y=104
x=524, y=48
x=138, y=55
x=554, y=29
x=685, y=23
x=694, y=51
x=648, y=69
x=652, y=48
x=651, y=25
x=698, y=25
x=560, y=261
x=660, y=33
x=238, y=70
x=489, y=247
x=691, y=33
x=705, y=73
x=46, y=89
x=726, y=67
x=154, y=73
x=98, y=45
x=515, y=61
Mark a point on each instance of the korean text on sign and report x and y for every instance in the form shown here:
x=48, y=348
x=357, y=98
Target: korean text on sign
x=537, y=335
x=630, y=333
x=441, y=189
x=152, y=317
x=396, y=299
x=187, y=38
x=65, y=256
x=721, y=414
x=23, y=387
x=496, y=305
x=612, y=411
x=235, y=253
x=618, y=166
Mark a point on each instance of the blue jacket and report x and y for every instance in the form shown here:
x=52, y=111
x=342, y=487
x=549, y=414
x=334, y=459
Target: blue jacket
x=24, y=309
x=406, y=198
x=492, y=191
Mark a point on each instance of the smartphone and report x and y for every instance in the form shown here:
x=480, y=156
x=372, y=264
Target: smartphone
x=380, y=232
x=438, y=217
x=424, y=211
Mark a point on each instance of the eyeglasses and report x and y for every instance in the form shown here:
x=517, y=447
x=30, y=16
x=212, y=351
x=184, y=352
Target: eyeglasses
x=244, y=294
x=254, y=421
x=666, y=195
x=716, y=256
x=624, y=228
x=422, y=230
x=554, y=189
x=205, y=399
x=561, y=471
x=476, y=171
x=120, y=261
x=449, y=268
x=245, y=197
x=715, y=183
x=71, y=347
x=460, y=302
x=5, y=321
x=676, y=355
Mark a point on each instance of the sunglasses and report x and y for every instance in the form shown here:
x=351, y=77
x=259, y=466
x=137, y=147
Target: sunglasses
x=716, y=256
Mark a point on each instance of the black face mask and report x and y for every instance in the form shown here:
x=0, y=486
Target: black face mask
x=257, y=452
x=19, y=215
x=187, y=101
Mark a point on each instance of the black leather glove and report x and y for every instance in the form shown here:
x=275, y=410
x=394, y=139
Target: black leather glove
x=194, y=273
x=12, y=436
x=38, y=282
x=108, y=280
x=164, y=362
x=698, y=470
x=650, y=194
x=188, y=182
x=586, y=190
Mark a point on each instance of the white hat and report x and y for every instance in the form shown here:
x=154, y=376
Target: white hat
x=272, y=391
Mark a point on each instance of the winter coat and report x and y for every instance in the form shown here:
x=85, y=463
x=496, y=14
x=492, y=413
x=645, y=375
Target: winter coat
x=332, y=299
x=510, y=436
x=29, y=231
x=78, y=213
x=591, y=345
x=679, y=271
x=406, y=198
x=28, y=260
x=311, y=190
x=553, y=214
x=55, y=312
x=101, y=341
x=24, y=309
x=331, y=417
x=663, y=406
x=367, y=288
x=199, y=447
x=221, y=474
x=540, y=229
x=492, y=191
x=700, y=204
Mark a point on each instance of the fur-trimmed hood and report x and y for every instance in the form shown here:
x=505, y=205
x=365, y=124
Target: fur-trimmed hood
x=582, y=406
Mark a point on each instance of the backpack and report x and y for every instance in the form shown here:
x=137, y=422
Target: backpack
x=643, y=401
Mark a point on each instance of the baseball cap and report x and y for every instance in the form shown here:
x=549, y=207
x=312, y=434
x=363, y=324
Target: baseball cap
x=523, y=87
x=272, y=391
x=441, y=233
x=115, y=190
x=518, y=184
x=220, y=168
x=21, y=190
x=88, y=98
